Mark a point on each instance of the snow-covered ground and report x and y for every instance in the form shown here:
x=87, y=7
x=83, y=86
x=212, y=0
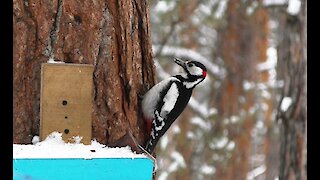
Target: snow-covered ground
x=54, y=147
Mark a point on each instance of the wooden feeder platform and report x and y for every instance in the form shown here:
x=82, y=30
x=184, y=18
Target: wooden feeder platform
x=66, y=100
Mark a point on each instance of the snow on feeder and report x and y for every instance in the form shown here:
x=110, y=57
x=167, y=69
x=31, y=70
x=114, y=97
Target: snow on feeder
x=54, y=159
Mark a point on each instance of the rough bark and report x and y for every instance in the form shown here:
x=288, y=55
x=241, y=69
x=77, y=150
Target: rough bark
x=114, y=36
x=292, y=62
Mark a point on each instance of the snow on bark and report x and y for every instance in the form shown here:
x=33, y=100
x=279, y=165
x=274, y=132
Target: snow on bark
x=285, y=103
x=206, y=169
x=256, y=172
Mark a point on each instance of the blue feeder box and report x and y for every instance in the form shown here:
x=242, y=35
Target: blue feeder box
x=86, y=169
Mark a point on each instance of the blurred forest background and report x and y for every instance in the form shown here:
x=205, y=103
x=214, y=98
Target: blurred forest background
x=248, y=119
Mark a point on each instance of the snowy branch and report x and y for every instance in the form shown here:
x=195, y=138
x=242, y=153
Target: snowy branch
x=192, y=55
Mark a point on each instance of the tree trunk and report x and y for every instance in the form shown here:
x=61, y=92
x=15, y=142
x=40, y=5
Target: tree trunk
x=292, y=62
x=114, y=36
x=243, y=45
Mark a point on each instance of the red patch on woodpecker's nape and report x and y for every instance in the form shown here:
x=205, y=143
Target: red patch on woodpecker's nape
x=204, y=73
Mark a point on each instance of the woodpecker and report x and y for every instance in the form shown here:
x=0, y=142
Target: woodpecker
x=165, y=101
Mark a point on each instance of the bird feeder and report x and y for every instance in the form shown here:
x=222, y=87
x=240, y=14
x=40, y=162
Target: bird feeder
x=66, y=107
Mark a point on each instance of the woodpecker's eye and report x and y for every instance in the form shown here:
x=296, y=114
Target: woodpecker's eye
x=190, y=65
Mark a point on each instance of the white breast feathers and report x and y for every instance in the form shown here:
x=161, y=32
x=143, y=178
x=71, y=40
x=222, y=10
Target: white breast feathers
x=169, y=100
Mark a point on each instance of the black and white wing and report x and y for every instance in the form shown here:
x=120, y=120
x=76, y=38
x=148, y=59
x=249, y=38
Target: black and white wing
x=162, y=119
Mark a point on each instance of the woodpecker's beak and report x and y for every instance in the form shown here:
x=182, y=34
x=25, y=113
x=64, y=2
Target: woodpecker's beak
x=180, y=63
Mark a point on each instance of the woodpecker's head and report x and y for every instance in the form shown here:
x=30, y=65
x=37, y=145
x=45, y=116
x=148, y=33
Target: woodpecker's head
x=193, y=69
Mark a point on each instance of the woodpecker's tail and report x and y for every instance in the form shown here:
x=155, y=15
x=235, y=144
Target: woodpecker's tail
x=151, y=145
